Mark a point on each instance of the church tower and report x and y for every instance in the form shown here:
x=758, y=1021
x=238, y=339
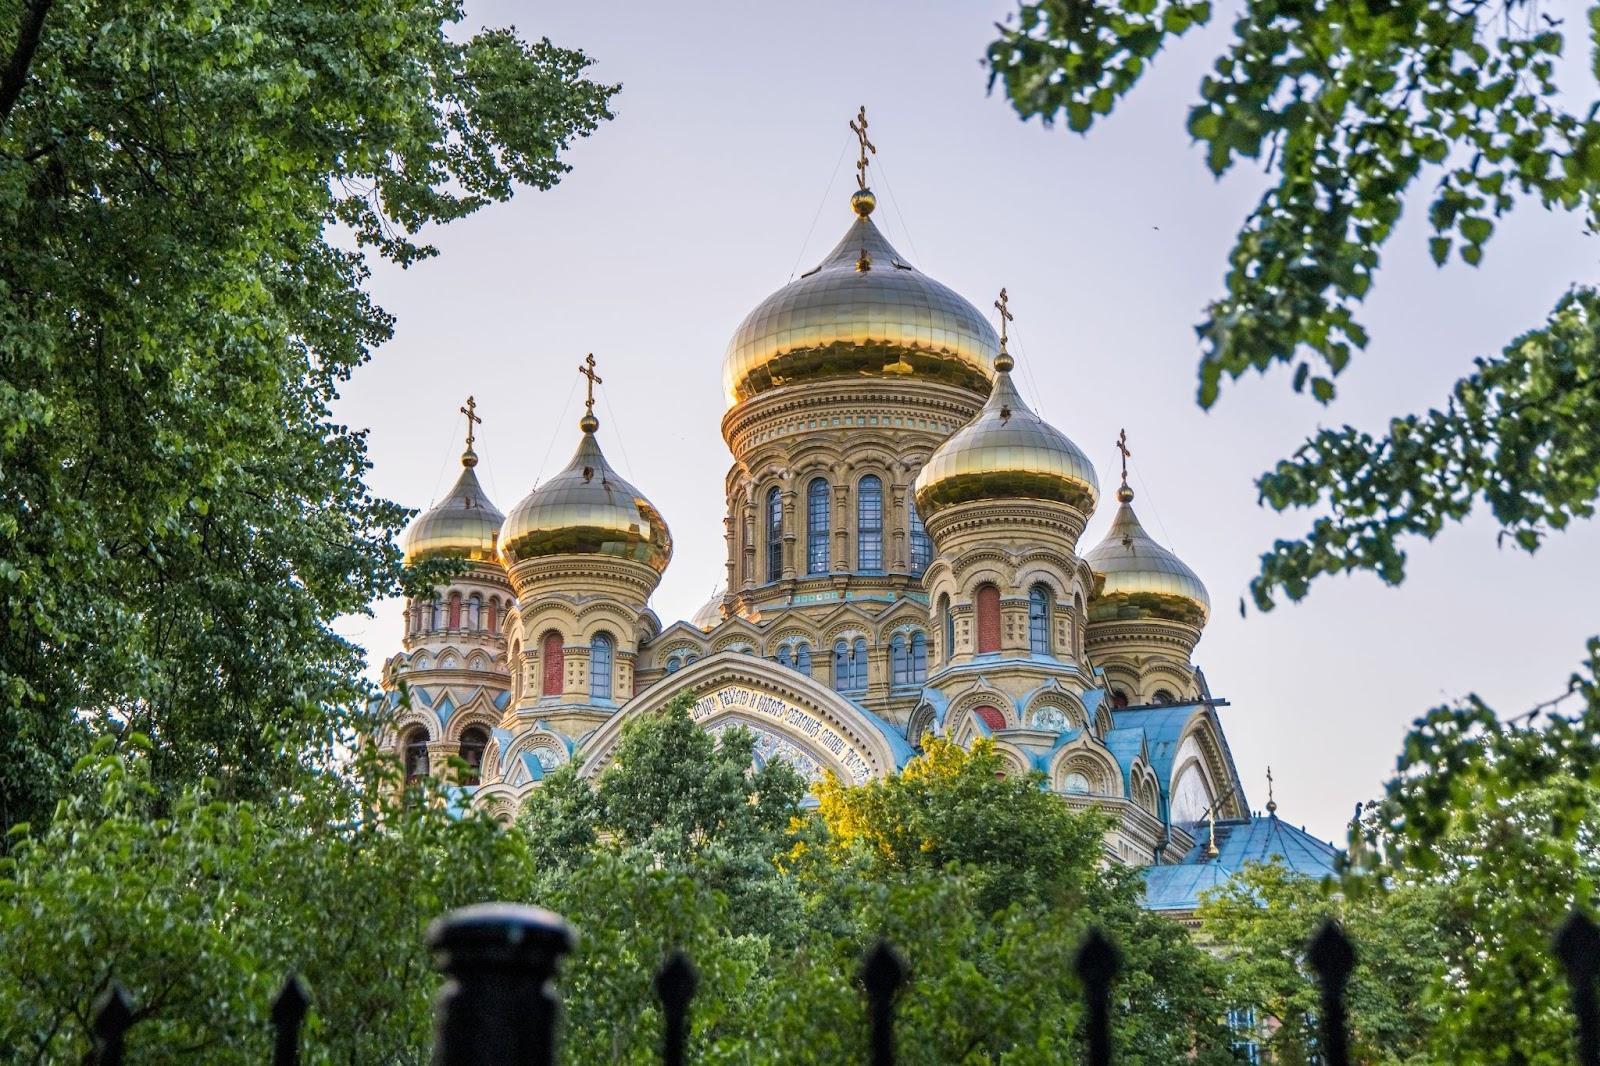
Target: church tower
x=584, y=551
x=1147, y=612
x=453, y=660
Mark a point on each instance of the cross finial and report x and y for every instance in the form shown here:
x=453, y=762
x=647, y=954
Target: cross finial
x=858, y=126
x=1272, y=802
x=470, y=457
x=1125, y=493
x=1003, y=360
x=589, y=423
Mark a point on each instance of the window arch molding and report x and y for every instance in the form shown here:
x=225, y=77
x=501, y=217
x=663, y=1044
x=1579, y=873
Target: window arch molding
x=819, y=525
x=869, y=523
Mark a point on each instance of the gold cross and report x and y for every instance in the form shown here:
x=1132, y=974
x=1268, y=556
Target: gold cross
x=858, y=126
x=586, y=368
x=1122, y=446
x=471, y=411
x=1272, y=801
x=1005, y=316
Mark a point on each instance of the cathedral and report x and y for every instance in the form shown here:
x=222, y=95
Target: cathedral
x=903, y=560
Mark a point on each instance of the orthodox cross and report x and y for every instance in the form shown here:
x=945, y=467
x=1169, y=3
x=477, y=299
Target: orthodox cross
x=1005, y=316
x=1122, y=446
x=586, y=368
x=1272, y=802
x=471, y=411
x=858, y=126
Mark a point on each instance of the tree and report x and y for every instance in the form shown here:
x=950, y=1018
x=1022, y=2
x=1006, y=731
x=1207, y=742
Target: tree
x=1353, y=105
x=186, y=203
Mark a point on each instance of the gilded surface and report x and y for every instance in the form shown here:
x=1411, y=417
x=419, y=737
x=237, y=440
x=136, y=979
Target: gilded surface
x=840, y=320
x=1007, y=452
x=1136, y=577
x=463, y=525
x=587, y=509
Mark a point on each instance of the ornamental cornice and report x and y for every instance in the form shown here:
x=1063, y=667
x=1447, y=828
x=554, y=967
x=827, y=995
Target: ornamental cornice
x=982, y=515
x=922, y=397
x=1144, y=631
x=527, y=573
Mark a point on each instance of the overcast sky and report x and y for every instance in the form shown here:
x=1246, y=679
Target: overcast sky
x=699, y=199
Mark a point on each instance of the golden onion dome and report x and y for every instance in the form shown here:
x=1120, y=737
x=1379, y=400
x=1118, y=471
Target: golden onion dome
x=463, y=525
x=587, y=509
x=864, y=311
x=1006, y=452
x=1137, y=578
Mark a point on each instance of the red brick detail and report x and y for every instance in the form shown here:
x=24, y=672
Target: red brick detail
x=991, y=716
x=554, y=664
x=988, y=618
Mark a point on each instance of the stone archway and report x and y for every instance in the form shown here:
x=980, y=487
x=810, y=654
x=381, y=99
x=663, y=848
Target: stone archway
x=792, y=716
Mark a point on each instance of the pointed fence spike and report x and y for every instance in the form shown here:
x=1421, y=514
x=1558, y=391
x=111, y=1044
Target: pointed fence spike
x=1097, y=964
x=1578, y=948
x=676, y=982
x=113, y=1015
x=883, y=972
x=288, y=1013
x=1333, y=957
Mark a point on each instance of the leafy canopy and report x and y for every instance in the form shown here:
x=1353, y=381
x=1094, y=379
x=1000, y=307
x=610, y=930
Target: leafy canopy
x=187, y=199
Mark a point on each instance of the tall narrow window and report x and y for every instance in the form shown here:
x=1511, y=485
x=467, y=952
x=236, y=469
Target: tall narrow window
x=921, y=546
x=1039, y=620
x=674, y=664
x=817, y=527
x=785, y=657
x=841, y=666
x=919, y=659
x=554, y=665
x=774, y=535
x=869, y=524
x=858, y=655
x=491, y=616
x=474, y=612
x=988, y=619
x=455, y=610
x=802, y=659
x=600, y=667
x=899, y=661
x=438, y=615
x=416, y=754
x=948, y=621
x=473, y=740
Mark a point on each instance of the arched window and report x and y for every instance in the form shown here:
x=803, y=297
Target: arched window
x=438, y=614
x=919, y=658
x=988, y=619
x=455, y=610
x=1076, y=783
x=921, y=546
x=802, y=659
x=492, y=618
x=858, y=656
x=774, y=534
x=553, y=654
x=1039, y=620
x=948, y=622
x=817, y=527
x=841, y=666
x=784, y=657
x=674, y=664
x=1163, y=696
x=691, y=657
x=899, y=661
x=1119, y=698
x=990, y=716
x=474, y=612
x=416, y=754
x=474, y=739
x=600, y=667
x=869, y=524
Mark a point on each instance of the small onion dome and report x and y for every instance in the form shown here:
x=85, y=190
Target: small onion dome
x=709, y=616
x=587, y=509
x=1137, y=578
x=864, y=311
x=1006, y=452
x=463, y=525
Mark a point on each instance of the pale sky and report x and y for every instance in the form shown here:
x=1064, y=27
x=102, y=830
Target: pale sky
x=698, y=200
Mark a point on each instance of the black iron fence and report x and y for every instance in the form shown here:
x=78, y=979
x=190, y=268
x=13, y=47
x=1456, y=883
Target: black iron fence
x=498, y=1005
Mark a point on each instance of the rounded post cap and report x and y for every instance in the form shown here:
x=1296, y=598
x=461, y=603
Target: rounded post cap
x=499, y=934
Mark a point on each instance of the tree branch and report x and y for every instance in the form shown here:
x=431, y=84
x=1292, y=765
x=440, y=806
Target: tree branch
x=16, y=71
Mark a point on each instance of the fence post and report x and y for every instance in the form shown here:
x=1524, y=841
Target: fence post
x=497, y=1006
x=1578, y=945
x=113, y=1014
x=675, y=985
x=288, y=1011
x=1097, y=965
x=882, y=974
x=1332, y=956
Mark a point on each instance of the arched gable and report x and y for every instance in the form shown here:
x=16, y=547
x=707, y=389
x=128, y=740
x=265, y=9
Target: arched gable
x=791, y=715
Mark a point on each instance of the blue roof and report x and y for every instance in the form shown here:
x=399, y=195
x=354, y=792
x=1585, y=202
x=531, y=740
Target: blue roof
x=1163, y=726
x=1258, y=839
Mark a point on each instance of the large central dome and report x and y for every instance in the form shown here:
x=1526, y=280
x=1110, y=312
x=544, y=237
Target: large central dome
x=864, y=312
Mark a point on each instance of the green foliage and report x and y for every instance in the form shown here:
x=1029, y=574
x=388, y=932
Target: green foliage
x=1351, y=106
x=182, y=518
